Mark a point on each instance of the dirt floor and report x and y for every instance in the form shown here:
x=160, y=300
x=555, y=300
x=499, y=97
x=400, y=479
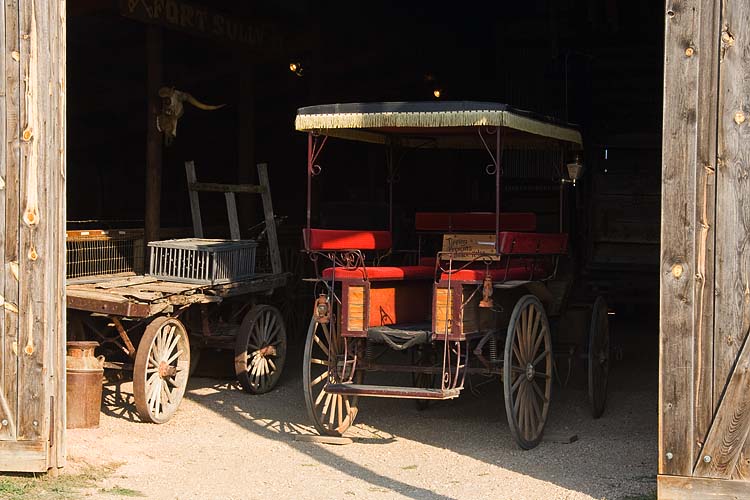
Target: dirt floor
x=225, y=444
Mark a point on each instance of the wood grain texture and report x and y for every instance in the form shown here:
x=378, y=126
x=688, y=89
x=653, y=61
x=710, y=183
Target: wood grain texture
x=685, y=253
x=706, y=160
x=6, y=356
x=34, y=227
x=733, y=225
x=693, y=488
x=23, y=456
x=12, y=213
x=728, y=433
x=273, y=238
x=195, y=206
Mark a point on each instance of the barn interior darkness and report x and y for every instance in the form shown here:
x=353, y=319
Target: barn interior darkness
x=594, y=63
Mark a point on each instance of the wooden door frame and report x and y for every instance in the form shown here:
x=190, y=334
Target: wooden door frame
x=704, y=373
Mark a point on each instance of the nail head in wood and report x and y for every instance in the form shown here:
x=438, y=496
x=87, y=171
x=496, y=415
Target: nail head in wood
x=689, y=51
x=739, y=117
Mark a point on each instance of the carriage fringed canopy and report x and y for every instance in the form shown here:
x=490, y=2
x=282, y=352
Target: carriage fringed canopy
x=441, y=124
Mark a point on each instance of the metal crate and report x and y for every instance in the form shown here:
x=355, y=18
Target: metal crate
x=97, y=252
x=202, y=261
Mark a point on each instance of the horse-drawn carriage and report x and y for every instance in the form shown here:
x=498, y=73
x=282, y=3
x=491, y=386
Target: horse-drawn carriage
x=480, y=302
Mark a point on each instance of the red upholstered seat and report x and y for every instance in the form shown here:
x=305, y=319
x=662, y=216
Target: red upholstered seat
x=346, y=239
x=474, y=221
x=381, y=273
x=515, y=243
x=515, y=272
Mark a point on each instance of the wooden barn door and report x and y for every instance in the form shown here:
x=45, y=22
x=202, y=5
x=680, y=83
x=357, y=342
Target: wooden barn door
x=704, y=412
x=32, y=231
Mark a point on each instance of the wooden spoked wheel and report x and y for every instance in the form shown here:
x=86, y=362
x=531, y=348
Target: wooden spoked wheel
x=260, y=349
x=527, y=371
x=332, y=414
x=160, y=374
x=598, y=357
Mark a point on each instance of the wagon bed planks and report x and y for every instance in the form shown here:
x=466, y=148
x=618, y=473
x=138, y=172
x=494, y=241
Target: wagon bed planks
x=144, y=296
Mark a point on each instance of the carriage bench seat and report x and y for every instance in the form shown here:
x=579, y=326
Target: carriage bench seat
x=517, y=243
x=381, y=273
x=473, y=221
x=346, y=239
x=541, y=270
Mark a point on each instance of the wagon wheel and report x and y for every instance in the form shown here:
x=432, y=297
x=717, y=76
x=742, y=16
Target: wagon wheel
x=527, y=371
x=598, y=357
x=260, y=349
x=161, y=368
x=332, y=414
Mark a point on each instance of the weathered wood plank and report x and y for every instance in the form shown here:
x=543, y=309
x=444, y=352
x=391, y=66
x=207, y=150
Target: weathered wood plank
x=234, y=222
x=23, y=456
x=694, y=488
x=707, y=46
x=679, y=234
x=57, y=16
x=195, y=206
x=5, y=355
x=34, y=227
x=273, y=239
x=732, y=319
x=12, y=217
x=152, y=215
x=729, y=430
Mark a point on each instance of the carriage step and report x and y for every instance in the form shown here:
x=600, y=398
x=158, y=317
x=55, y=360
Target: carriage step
x=387, y=391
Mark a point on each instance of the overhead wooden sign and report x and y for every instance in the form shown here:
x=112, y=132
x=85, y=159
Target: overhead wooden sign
x=199, y=20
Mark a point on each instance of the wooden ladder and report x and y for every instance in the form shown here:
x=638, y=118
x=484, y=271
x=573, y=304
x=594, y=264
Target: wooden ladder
x=230, y=191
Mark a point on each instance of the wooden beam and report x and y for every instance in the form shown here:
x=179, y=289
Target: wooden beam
x=732, y=297
x=23, y=456
x=195, y=206
x=152, y=216
x=693, y=488
x=684, y=245
x=730, y=428
x=273, y=239
x=12, y=212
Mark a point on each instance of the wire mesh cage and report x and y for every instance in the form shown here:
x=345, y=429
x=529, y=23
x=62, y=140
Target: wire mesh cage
x=202, y=261
x=103, y=252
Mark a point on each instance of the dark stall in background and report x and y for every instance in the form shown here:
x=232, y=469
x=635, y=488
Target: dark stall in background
x=597, y=64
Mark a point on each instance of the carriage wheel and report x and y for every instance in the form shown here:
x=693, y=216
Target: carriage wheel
x=160, y=374
x=260, y=349
x=332, y=414
x=598, y=357
x=527, y=371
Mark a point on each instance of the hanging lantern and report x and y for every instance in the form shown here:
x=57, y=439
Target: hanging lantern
x=487, y=292
x=322, y=310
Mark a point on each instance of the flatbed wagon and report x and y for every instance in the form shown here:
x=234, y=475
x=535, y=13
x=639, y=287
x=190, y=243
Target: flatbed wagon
x=156, y=326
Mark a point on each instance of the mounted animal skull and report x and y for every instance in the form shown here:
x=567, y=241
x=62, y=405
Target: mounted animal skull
x=172, y=108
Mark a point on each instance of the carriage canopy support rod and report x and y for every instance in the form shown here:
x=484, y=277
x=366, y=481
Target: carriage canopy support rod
x=314, y=147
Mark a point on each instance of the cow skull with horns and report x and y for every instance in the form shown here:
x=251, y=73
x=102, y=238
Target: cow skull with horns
x=172, y=108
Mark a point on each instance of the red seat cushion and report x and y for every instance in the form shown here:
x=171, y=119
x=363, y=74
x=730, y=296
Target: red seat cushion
x=474, y=221
x=346, y=239
x=514, y=243
x=516, y=272
x=381, y=273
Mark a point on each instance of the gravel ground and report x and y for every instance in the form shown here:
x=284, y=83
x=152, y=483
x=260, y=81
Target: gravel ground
x=223, y=443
